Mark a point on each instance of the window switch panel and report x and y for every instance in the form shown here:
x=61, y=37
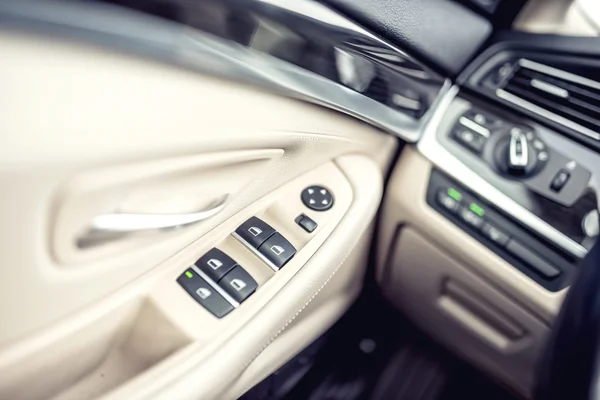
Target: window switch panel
x=204, y=294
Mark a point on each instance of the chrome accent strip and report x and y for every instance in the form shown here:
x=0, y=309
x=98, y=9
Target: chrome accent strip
x=181, y=45
x=447, y=162
x=474, y=126
x=215, y=286
x=550, y=89
x=503, y=94
x=255, y=251
x=557, y=73
x=131, y=223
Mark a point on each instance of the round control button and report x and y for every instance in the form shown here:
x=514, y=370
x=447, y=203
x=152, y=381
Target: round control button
x=317, y=198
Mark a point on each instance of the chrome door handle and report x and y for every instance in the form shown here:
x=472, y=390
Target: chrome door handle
x=110, y=226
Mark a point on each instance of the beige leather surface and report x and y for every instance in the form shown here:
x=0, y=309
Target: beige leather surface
x=420, y=251
x=560, y=17
x=89, y=131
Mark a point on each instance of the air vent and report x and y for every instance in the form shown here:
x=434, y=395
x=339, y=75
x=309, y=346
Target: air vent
x=557, y=95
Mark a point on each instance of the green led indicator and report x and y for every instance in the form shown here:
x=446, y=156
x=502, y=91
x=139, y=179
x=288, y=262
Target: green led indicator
x=189, y=274
x=455, y=194
x=476, y=209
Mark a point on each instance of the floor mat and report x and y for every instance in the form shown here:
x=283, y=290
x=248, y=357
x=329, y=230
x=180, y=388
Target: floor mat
x=374, y=353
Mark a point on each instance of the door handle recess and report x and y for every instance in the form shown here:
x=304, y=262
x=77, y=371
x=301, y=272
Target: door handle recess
x=108, y=227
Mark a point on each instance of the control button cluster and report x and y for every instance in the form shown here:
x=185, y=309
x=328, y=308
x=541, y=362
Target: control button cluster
x=266, y=242
x=217, y=282
x=472, y=214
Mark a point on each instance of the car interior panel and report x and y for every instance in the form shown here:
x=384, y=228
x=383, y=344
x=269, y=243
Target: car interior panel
x=299, y=199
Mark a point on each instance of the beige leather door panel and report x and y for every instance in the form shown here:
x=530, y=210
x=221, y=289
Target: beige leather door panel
x=87, y=133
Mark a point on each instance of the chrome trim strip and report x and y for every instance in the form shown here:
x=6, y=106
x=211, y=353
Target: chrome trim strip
x=550, y=89
x=131, y=222
x=215, y=286
x=557, y=73
x=503, y=94
x=473, y=126
x=255, y=251
x=447, y=162
x=178, y=44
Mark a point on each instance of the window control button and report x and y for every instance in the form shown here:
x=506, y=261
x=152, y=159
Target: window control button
x=255, y=231
x=238, y=284
x=306, y=223
x=215, y=264
x=277, y=250
x=204, y=294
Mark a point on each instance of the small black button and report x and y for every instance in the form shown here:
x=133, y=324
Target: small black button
x=317, y=198
x=470, y=218
x=536, y=262
x=215, y=264
x=238, y=284
x=277, y=250
x=470, y=139
x=255, y=231
x=306, y=223
x=560, y=180
x=494, y=234
x=204, y=294
x=446, y=201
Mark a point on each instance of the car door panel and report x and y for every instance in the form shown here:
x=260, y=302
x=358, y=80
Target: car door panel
x=91, y=131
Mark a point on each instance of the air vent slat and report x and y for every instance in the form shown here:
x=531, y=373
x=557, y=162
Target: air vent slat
x=566, y=112
x=572, y=88
x=560, y=93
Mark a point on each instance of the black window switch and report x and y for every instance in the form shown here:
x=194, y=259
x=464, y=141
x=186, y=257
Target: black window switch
x=215, y=264
x=204, y=294
x=560, y=180
x=277, y=250
x=255, y=231
x=238, y=284
x=306, y=223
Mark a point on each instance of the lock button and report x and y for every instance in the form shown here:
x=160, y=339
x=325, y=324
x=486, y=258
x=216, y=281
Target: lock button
x=238, y=284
